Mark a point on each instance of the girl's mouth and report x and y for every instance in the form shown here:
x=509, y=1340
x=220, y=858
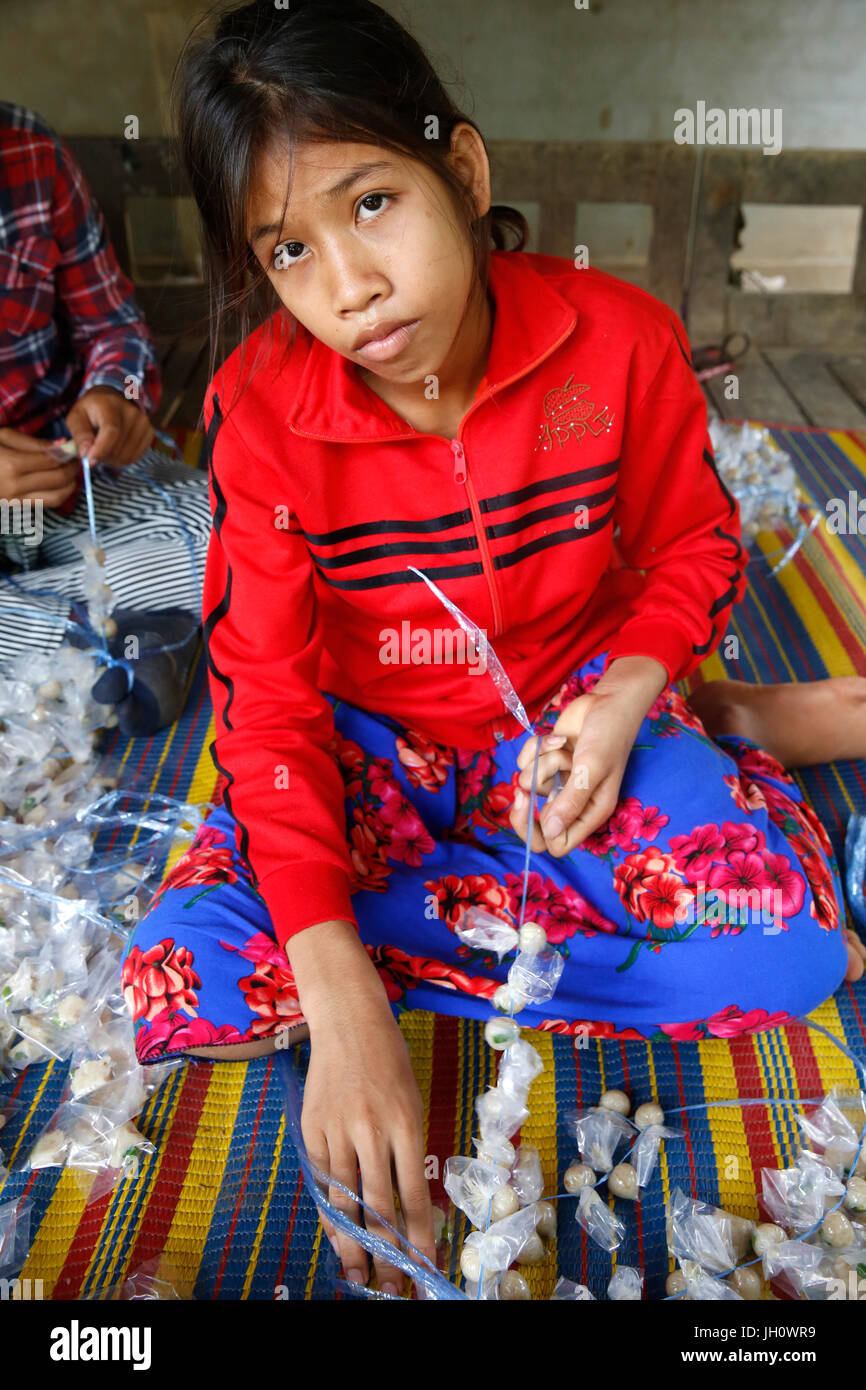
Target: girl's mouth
x=383, y=349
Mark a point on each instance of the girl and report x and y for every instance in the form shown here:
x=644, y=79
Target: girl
x=532, y=438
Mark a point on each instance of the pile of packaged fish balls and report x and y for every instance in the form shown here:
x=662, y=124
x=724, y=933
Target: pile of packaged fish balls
x=65, y=909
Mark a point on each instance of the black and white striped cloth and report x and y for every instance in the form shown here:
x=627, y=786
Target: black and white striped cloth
x=153, y=521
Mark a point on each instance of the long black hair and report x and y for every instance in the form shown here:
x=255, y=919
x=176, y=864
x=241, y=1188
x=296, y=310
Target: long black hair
x=318, y=70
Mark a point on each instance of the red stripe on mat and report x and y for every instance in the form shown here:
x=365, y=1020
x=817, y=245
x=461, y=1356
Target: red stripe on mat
x=443, y=1099
x=154, y=1223
x=86, y=1238
x=809, y=574
x=756, y=1121
x=81, y=1250
x=243, y=1184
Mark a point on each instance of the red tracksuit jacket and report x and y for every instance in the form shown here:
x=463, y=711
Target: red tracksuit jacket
x=322, y=496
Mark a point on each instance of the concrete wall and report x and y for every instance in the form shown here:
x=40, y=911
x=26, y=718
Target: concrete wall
x=529, y=69
x=523, y=69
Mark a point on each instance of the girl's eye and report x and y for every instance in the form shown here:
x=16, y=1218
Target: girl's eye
x=371, y=197
x=283, y=257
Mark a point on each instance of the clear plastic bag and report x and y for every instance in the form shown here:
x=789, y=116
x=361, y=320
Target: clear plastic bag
x=471, y=1185
x=829, y=1131
x=796, y=1197
x=803, y=1269
x=701, y=1287
x=526, y=1176
x=535, y=975
x=14, y=1235
x=486, y=932
x=599, y=1222
x=499, y=1245
x=645, y=1153
x=499, y=1115
x=521, y=1063
x=598, y=1132
x=702, y=1234
x=626, y=1285
x=567, y=1291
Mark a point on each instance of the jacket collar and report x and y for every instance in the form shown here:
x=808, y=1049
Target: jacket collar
x=531, y=319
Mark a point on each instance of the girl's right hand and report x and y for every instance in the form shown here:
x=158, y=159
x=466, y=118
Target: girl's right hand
x=362, y=1115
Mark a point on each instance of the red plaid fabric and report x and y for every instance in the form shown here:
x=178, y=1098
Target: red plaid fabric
x=68, y=316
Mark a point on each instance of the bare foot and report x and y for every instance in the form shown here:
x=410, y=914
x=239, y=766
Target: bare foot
x=800, y=723
x=856, y=956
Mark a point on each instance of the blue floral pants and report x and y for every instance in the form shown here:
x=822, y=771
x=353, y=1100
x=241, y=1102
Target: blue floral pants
x=706, y=906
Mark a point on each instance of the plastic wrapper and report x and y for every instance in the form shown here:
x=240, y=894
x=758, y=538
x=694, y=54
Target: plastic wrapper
x=526, y=1176
x=499, y=1246
x=855, y=869
x=701, y=1287
x=599, y=1222
x=154, y=1281
x=485, y=932
x=759, y=474
x=534, y=976
x=64, y=1012
x=471, y=1184
x=521, y=1063
x=645, y=1153
x=706, y=1235
x=499, y=1115
x=487, y=655
x=14, y=1235
x=104, y=1068
x=567, y=1291
x=626, y=1285
x=829, y=1131
x=803, y=1269
x=797, y=1197
x=598, y=1132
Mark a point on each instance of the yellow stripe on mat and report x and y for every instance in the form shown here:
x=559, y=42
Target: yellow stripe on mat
x=855, y=452
x=735, y=1175
x=834, y=1067
x=50, y=1247
x=187, y=1237
x=540, y=1131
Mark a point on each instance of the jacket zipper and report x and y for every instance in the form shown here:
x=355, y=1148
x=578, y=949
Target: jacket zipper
x=461, y=475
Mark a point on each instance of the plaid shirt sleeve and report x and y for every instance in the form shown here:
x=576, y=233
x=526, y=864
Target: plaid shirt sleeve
x=94, y=297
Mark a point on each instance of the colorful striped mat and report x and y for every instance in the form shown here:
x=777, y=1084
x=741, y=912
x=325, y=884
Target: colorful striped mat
x=220, y=1209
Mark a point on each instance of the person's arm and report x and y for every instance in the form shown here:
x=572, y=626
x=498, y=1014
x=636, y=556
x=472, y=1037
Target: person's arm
x=274, y=727
x=94, y=297
x=362, y=1110
x=677, y=520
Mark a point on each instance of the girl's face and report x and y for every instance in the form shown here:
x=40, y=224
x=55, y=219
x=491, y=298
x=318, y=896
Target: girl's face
x=361, y=246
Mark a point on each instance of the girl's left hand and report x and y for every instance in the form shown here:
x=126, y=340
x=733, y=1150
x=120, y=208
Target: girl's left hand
x=596, y=734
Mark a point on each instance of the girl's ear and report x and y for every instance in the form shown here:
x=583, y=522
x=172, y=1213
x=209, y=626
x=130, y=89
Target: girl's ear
x=468, y=157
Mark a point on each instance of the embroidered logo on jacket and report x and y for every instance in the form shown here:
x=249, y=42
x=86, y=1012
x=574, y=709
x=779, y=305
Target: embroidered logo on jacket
x=569, y=416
